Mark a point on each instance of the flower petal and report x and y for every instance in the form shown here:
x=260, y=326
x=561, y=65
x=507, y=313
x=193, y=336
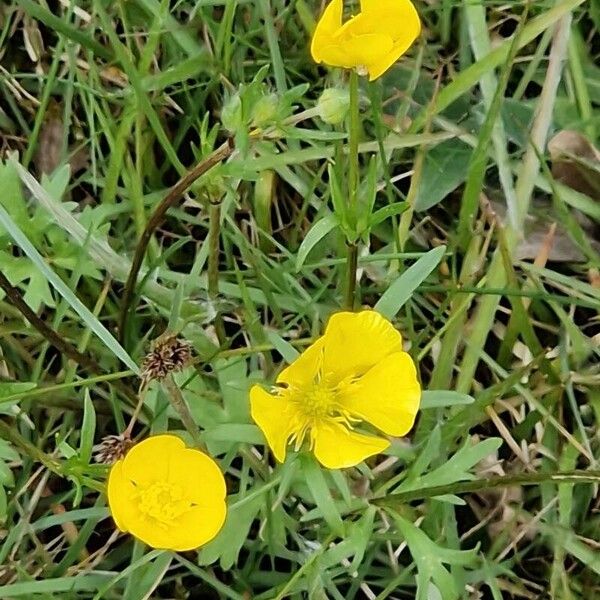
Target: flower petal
x=355, y=342
x=199, y=475
x=149, y=460
x=275, y=416
x=328, y=24
x=387, y=396
x=358, y=50
x=198, y=526
x=305, y=368
x=336, y=447
x=120, y=491
x=377, y=68
x=152, y=533
x=396, y=18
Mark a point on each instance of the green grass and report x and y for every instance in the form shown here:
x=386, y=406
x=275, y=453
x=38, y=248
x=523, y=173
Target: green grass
x=496, y=484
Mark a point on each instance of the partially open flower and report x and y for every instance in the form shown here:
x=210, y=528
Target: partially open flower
x=169, y=496
x=370, y=42
x=356, y=372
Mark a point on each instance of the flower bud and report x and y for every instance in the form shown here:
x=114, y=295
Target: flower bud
x=265, y=109
x=232, y=114
x=333, y=105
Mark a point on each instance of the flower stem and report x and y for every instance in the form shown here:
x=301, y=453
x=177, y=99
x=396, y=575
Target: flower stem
x=180, y=406
x=351, y=275
x=353, y=170
x=353, y=144
x=399, y=499
x=214, y=233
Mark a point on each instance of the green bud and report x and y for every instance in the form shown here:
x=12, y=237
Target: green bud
x=232, y=114
x=333, y=105
x=265, y=109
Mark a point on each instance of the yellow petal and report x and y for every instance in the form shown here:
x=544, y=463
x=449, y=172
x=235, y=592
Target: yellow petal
x=275, y=416
x=377, y=68
x=387, y=396
x=149, y=460
x=396, y=18
x=357, y=51
x=199, y=475
x=336, y=447
x=328, y=24
x=153, y=534
x=198, y=526
x=305, y=368
x=120, y=494
x=355, y=342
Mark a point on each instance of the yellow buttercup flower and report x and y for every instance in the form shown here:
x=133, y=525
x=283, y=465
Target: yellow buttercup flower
x=357, y=371
x=372, y=41
x=169, y=496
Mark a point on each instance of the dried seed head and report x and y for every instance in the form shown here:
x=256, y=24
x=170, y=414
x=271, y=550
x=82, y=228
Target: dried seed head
x=112, y=448
x=168, y=354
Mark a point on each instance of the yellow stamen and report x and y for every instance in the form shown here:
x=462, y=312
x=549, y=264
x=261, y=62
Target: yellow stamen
x=316, y=403
x=162, y=501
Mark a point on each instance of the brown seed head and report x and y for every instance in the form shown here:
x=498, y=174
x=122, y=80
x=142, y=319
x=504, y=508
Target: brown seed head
x=112, y=448
x=168, y=354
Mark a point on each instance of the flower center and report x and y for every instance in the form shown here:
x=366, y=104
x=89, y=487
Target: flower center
x=163, y=501
x=318, y=400
x=316, y=403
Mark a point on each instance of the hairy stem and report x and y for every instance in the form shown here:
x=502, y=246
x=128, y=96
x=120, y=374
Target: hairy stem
x=353, y=170
x=465, y=487
x=181, y=408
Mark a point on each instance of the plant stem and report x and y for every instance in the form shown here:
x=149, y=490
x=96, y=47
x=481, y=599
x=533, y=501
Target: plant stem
x=214, y=233
x=351, y=276
x=353, y=171
x=478, y=485
x=175, y=194
x=353, y=142
x=180, y=406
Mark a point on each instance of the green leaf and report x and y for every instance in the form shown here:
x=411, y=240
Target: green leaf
x=317, y=484
x=456, y=468
x=227, y=545
x=400, y=291
x=3, y=504
x=10, y=388
x=12, y=196
x=289, y=353
x=429, y=558
x=88, y=429
x=391, y=210
x=444, y=169
x=240, y=432
x=441, y=398
x=317, y=232
x=6, y=476
x=59, y=285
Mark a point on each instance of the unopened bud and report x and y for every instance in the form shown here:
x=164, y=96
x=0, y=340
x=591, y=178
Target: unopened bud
x=265, y=109
x=333, y=105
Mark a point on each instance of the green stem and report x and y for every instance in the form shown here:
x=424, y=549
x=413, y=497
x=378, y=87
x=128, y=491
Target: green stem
x=214, y=233
x=353, y=140
x=353, y=170
x=351, y=276
x=181, y=408
x=465, y=487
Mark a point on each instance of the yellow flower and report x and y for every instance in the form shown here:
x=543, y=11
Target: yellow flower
x=355, y=372
x=372, y=41
x=169, y=496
